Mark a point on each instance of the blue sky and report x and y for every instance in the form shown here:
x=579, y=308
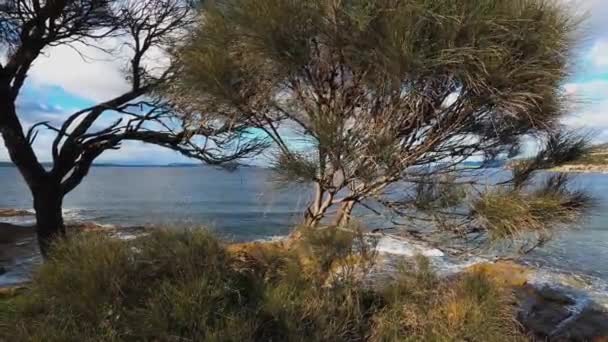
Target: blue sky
x=61, y=82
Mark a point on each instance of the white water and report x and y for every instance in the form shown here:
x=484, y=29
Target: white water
x=583, y=289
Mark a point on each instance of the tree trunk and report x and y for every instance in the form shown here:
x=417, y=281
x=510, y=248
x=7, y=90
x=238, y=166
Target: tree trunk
x=344, y=213
x=49, y=217
x=311, y=218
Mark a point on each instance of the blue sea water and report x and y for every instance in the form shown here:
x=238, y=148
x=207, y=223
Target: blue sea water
x=243, y=204
x=249, y=204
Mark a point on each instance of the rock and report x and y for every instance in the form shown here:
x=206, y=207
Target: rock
x=2, y=270
x=554, y=295
x=91, y=227
x=539, y=314
x=551, y=314
x=14, y=212
x=582, y=168
x=591, y=324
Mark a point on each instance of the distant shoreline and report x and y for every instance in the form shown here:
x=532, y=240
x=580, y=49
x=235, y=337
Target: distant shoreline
x=176, y=165
x=581, y=168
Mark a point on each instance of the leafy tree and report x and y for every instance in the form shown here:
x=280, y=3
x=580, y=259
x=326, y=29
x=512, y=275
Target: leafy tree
x=381, y=103
x=145, y=28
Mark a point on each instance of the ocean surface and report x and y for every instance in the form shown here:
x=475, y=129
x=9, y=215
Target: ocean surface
x=249, y=204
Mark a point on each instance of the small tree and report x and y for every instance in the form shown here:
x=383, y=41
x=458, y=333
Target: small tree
x=147, y=27
x=390, y=98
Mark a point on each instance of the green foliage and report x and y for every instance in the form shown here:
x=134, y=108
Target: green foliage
x=594, y=155
x=438, y=193
x=513, y=213
x=295, y=168
x=174, y=286
x=560, y=148
x=360, y=95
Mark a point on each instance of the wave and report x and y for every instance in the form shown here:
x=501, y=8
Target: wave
x=582, y=288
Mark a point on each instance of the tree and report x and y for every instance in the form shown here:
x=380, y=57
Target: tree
x=145, y=28
x=390, y=98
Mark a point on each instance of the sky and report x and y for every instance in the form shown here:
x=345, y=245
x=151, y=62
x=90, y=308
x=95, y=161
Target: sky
x=62, y=82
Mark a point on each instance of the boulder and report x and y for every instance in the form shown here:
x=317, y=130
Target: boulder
x=552, y=314
x=591, y=324
x=14, y=213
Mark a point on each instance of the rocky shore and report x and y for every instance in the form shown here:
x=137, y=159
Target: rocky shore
x=582, y=168
x=19, y=249
x=15, y=213
x=551, y=312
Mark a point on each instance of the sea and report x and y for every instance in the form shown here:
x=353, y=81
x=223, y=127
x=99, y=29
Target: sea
x=251, y=204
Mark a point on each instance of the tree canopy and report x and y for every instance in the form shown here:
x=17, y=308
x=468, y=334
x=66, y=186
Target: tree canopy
x=146, y=31
x=359, y=96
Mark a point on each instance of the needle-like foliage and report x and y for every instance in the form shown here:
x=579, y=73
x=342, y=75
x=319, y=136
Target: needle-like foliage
x=361, y=95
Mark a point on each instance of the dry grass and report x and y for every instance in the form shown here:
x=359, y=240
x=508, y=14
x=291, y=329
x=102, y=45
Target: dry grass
x=421, y=307
x=506, y=274
x=177, y=286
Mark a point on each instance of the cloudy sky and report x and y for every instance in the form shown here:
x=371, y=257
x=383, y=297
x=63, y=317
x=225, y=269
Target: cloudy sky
x=61, y=82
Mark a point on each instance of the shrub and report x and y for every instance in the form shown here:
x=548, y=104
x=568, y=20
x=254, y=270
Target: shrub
x=420, y=307
x=175, y=286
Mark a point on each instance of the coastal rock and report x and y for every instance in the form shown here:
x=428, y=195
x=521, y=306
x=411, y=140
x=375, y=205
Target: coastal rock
x=2, y=270
x=553, y=315
x=14, y=213
x=582, y=168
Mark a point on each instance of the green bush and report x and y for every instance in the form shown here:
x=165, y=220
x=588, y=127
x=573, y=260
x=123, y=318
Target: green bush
x=187, y=286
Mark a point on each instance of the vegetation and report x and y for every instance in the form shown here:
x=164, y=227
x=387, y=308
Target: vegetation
x=144, y=32
x=539, y=212
x=597, y=155
x=379, y=103
x=376, y=104
x=174, y=286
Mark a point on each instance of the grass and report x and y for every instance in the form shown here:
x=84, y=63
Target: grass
x=188, y=286
x=424, y=308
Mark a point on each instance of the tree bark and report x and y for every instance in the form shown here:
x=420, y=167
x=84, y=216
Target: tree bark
x=50, y=227
x=344, y=213
x=47, y=194
x=19, y=149
x=318, y=208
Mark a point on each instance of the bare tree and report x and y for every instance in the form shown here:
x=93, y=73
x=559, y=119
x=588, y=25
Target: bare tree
x=145, y=28
x=390, y=98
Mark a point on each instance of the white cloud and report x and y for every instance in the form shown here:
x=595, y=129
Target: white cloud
x=588, y=91
x=599, y=53
x=591, y=109
x=130, y=152
x=142, y=153
x=90, y=72
x=593, y=117
x=98, y=76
